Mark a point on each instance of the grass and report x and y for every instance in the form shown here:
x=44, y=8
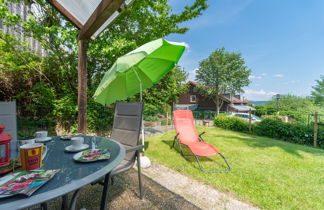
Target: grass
x=268, y=173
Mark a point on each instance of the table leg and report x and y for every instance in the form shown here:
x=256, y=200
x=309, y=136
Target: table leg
x=74, y=199
x=65, y=202
x=105, y=192
x=44, y=206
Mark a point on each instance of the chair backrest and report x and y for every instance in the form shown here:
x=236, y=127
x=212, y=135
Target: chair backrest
x=127, y=125
x=184, y=124
x=9, y=119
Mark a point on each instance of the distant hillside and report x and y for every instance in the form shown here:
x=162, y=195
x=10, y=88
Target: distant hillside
x=258, y=102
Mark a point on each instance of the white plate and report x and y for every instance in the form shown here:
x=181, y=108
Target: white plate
x=43, y=140
x=72, y=149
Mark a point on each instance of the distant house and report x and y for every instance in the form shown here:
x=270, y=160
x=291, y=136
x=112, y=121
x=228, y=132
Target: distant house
x=194, y=101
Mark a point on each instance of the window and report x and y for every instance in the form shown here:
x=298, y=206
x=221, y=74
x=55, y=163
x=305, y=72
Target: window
x=193, y=98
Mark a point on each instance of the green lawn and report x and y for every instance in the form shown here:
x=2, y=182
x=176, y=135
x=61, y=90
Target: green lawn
x=268, y=173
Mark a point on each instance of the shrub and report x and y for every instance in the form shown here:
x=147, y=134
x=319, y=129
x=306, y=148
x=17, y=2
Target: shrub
x=150, y=110
x=163, y=122
x=273, y=128
x=151, y=118
x=231, y=123
x=203, y=115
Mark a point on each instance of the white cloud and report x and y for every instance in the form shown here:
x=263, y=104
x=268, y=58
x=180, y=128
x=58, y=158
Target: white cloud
x=258, y=95
x=264, y=74
x=255, y=77
x=278, y=75
x=192, y=74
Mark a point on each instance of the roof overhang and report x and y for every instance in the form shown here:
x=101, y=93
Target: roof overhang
x=91, y=17
x=242, y=108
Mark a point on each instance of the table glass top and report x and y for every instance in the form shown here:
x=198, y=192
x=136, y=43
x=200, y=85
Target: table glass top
x=72, y=173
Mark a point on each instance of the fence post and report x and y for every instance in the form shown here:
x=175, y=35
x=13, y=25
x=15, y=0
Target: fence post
x=167, y=119
x=250, y=121
x=315, y=128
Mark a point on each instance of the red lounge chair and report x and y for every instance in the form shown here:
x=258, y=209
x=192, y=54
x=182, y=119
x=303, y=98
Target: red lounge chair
x=187, y=135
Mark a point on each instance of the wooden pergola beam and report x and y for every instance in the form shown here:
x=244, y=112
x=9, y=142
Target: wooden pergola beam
x=82, y=86
x=65, y=13
x=104, y=10
x=100, y=15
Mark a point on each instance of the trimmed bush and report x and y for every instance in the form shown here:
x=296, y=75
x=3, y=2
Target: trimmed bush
x=294, y=133
x=231, y=123
x=273, y=128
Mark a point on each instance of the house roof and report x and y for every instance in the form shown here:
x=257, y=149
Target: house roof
x=233, y=100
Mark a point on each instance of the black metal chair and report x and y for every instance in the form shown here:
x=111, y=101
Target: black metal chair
x=126, y=130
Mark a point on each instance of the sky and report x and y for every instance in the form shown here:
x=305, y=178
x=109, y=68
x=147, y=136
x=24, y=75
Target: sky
x=281, y=41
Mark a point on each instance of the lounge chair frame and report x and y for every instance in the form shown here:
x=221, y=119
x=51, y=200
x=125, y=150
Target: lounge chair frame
x=197, y=157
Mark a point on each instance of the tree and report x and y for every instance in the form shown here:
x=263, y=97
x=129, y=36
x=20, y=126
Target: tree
x=295, y=107
x=167, y=91
x=144, y=21
x=318, y=93
x=222, y=72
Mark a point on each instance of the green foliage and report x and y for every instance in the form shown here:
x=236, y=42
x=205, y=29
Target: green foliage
x=268, y=173
x=151, y=118
x=318, y=92
x=25, y=76
x=168, y=89
x=273, y=128
x=222, y=72
x=293, y=133
x=231, y=123
x=163, y=122
x=263, y=110
x=99, y=118
x=295, y=107
x=151, y=110
x=203, y=115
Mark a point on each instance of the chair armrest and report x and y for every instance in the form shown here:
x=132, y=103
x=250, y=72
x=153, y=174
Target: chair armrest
x=132, y=149
x=200, y=138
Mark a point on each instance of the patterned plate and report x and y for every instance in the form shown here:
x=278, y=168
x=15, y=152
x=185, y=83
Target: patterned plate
x=91, y=156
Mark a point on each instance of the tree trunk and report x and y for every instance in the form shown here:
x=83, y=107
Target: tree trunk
x=216, y=101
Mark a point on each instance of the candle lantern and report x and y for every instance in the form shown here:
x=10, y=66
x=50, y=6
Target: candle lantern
x=5, y=139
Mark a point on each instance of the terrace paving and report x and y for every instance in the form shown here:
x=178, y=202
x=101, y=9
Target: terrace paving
x=163, y=189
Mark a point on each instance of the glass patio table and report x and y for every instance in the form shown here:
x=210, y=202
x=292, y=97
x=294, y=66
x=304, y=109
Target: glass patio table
x=72, y=175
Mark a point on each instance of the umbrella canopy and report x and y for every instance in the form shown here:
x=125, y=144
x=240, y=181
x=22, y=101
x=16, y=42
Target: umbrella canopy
x=143, y=66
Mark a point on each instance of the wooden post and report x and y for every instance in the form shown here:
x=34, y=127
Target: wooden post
x=82, y=86
x=315, y=128
x=250, y=121
x=167, y=117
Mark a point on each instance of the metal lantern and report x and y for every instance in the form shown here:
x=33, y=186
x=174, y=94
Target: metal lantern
x=5, y=139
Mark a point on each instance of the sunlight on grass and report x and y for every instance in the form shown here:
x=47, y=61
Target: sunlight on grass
x=266, y=172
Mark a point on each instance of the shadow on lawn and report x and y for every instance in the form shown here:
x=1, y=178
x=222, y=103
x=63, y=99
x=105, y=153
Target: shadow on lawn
x=192, y=159
x=261, y=142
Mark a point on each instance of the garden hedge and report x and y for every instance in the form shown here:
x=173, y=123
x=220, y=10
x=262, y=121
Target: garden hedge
x=273, y=128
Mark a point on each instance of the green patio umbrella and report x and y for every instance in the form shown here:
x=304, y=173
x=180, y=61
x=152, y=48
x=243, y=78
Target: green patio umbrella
x=138, y=70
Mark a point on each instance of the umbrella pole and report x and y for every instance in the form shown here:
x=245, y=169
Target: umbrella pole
x=141, y=98
x=144, y=161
